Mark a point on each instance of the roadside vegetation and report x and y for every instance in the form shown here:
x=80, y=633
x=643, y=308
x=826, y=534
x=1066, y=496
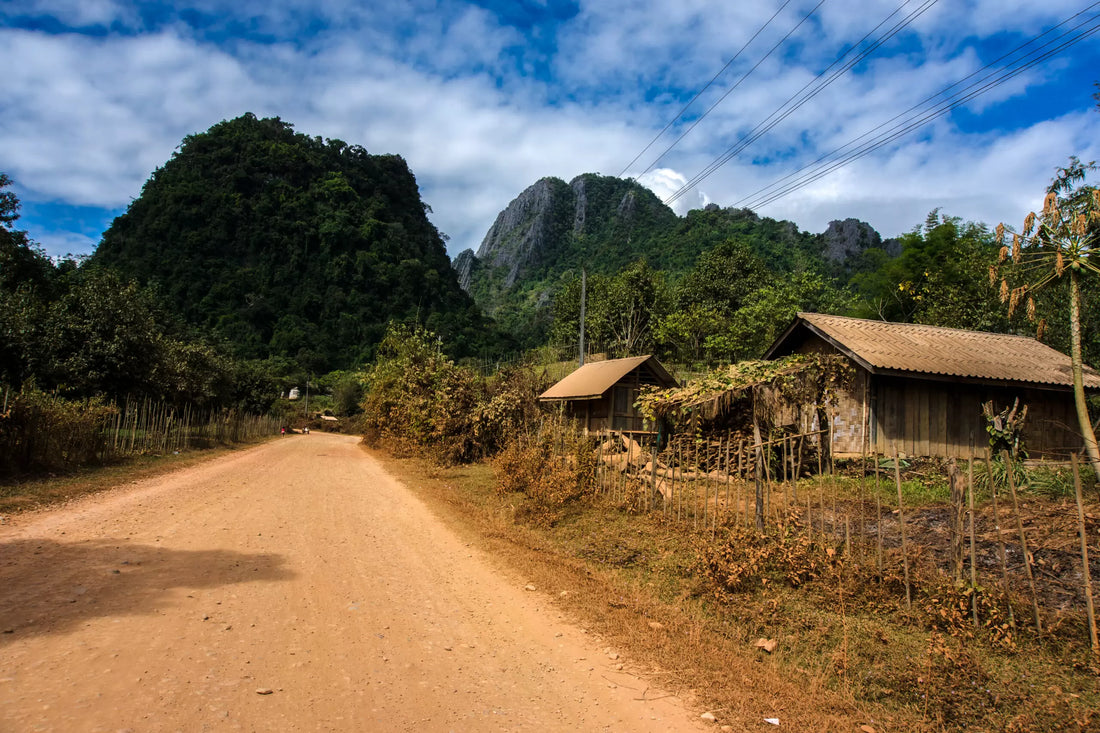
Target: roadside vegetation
x=784, y=623
x=805, y=620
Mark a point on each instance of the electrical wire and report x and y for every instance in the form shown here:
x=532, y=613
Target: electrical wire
x=791, y=105
x=732, y=88
x=829, y=162
x=706, y=87
x=917, y=106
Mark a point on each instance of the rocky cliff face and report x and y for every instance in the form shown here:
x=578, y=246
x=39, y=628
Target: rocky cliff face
x=844, y=239
x=527, y=229
x=847, y=239
x=464, y=265
x=552, y=230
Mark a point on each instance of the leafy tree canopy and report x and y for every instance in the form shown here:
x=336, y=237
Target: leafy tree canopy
x=289, y=245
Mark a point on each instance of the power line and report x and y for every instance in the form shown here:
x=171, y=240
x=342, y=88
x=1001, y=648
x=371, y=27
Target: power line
x=833, y=161
x=708, y=86
x=917, y=106
x=761, y=129
x=731, y=89
x=790, y=105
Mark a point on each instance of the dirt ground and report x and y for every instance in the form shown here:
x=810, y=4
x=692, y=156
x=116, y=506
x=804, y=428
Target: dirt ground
x=292, y=586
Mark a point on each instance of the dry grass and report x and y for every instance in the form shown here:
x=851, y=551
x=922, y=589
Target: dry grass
x=847, y=654
x=44, y=491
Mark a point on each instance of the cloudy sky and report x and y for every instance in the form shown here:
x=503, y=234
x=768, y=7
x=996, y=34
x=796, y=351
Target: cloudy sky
x=483, y=98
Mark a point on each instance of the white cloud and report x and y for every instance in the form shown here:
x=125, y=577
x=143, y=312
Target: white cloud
x=451, y=89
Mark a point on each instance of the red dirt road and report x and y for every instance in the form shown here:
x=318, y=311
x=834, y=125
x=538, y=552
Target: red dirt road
x=297, y=567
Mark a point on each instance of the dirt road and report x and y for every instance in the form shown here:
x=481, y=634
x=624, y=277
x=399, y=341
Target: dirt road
x=292, y=586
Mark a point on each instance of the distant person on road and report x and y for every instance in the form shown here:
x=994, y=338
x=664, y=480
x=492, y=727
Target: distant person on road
x=283, y=431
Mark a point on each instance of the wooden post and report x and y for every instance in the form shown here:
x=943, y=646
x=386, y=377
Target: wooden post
x=797, y=465
x=847, y=536
x=653, y=468
x=1000, y=538
x=901, y=523
x=680, y=496
x=973, y=549
x=1023, y=541
x=626, y=471
x=767, y=476
x=784, y=451
x=695, y=471
x=832, y=477
x=821, y=500
x=759, y=485
x=956, y=524
x=862, y=495
x=728, y=441
x=1086, y=573
x=809, y=518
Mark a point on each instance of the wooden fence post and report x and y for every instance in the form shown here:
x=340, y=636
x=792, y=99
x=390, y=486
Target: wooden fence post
x=954, y=481
x=759, y=470
x=1000, y=538
x=901, y=523
x=1086, y=572
x=1023, y=541
x=973, y=549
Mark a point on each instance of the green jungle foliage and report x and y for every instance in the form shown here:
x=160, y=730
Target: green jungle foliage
x=86, y=333
x=290, y=246
x=739, y=294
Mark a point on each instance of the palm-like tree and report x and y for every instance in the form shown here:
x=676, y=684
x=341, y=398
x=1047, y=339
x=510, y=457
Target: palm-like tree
x=1054, y=246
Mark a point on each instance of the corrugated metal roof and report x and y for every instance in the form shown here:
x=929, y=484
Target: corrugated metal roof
x=596, y=377
x=910, y=347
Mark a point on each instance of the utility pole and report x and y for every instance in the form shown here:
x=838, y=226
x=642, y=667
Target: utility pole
x=583, y=286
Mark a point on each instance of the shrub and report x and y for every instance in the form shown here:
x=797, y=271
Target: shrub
x=43, y=432
x=553, y=469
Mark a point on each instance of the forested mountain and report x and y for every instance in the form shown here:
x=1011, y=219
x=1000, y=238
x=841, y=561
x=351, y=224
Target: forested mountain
x=552, y=230
x=290, y=245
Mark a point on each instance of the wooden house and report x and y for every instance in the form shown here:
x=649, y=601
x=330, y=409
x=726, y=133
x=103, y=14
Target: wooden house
x=920, y=389
x=601, y=394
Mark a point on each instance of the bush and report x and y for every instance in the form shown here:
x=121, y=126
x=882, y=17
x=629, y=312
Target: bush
x=43, y=432
x=553, y=469
x=418, y=400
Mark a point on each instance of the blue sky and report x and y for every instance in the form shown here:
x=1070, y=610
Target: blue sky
x=484, y=98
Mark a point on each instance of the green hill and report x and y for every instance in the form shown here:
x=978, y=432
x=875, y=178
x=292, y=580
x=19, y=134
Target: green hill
x=553, y=229
x=290, y=245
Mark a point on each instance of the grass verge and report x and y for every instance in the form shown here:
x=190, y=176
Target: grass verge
x=847, y=657
x=43, y=491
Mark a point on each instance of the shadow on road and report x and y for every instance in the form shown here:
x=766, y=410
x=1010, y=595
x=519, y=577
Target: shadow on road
x=48, y=587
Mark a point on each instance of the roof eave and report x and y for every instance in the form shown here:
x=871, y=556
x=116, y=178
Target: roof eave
x=568, y=398
x=841, y=348
x=1007, y=383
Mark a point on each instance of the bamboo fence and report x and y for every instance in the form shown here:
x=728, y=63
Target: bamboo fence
x=708, y=482
x=50, y=434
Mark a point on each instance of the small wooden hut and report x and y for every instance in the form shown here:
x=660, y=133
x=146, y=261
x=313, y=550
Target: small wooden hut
x=602, y=394
x=920, y=389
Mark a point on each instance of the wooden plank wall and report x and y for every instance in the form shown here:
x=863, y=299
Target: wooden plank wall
x=939, y=418
x=929, y=418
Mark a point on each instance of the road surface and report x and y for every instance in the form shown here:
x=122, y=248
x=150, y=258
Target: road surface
x=294, y=586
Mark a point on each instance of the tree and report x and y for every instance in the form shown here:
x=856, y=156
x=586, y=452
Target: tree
x=26, y=286
x=756, y=325
x=932, y=280
x=683, y=333
x=636, y=299
x=1054, y=247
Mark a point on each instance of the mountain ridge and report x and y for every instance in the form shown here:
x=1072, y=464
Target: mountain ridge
x=553, y=229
